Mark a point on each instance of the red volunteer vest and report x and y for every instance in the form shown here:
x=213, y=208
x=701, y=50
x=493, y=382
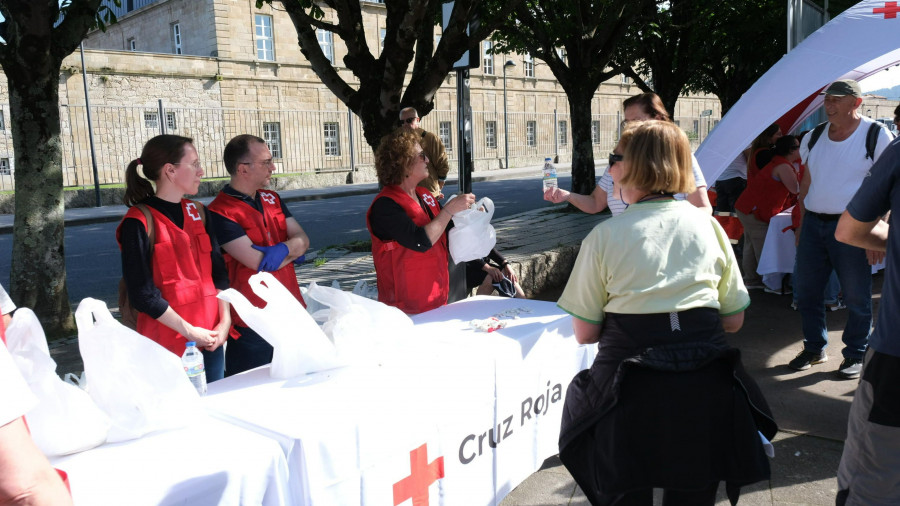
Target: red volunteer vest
x=182, y=271
x=765, y=197
x=264, y=229
x=408, y=280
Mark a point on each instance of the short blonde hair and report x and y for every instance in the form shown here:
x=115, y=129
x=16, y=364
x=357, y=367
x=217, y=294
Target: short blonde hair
x=658, y=159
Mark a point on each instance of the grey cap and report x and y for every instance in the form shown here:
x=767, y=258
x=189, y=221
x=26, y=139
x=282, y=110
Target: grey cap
x=843, y=88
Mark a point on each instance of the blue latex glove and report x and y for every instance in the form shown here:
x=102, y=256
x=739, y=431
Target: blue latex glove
x=272, y=256
x=300, y=259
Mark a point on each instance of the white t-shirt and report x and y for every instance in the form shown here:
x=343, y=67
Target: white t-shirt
x=16, y=398
x=837, y=169
x=6, y=304
x=616, y=206
x=737, y=168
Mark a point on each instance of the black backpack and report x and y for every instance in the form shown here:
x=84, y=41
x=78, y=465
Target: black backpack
x=871, y=138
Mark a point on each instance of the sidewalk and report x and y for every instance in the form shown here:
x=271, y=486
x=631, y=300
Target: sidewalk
x=811, y=407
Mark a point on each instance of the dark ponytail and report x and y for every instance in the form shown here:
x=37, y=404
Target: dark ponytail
x=157, y=152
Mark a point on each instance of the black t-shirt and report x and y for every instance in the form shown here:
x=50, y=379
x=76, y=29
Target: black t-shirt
x=391, y=223
x=137, y=267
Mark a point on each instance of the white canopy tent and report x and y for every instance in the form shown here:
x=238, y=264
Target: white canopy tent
x=863, y=40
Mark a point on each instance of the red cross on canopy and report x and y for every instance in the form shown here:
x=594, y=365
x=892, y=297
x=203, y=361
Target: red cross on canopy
x=422, y=475
x=889, y=10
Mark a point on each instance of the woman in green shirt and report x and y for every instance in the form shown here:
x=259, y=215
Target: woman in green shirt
x=657, y=287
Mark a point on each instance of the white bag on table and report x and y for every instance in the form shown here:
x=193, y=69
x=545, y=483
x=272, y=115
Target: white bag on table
x=472, y=236
x=65, y=419
x=360, y=327
x=300, y=346
x=138, y=383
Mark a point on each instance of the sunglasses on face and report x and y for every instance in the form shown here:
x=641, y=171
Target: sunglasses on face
x=408, y=121
x=613, y=158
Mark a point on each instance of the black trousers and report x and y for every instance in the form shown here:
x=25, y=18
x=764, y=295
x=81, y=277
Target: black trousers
x=248, y=352
x=705, y=497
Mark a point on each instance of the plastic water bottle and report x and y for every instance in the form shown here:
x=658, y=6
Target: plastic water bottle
x=549, y=174
x=192, y=360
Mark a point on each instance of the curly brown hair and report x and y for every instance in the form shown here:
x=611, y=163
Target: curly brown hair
x=395, y=154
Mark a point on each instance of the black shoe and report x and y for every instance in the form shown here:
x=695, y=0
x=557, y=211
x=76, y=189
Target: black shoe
x=805, y=359
x=850, y=368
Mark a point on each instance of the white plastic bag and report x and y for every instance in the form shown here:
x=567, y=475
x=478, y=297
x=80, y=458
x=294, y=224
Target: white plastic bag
x=472, y=235
x=300, y=345
x=360, y=328
x=138, y=383
x=65, y=420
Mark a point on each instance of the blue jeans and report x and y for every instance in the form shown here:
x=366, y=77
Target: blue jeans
x=817, y=254
x=248, y=352
x=214, y=364
x=832, y=289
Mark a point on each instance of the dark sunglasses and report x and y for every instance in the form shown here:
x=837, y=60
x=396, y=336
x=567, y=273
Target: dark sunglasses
x=613, y=158
x=408, y=121
x=795, y=147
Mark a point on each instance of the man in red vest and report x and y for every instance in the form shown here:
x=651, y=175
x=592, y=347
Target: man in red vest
x=257, y=233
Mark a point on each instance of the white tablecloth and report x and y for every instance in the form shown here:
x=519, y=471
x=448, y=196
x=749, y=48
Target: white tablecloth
x=215, y=463
x=777, y=256
x=459, y=416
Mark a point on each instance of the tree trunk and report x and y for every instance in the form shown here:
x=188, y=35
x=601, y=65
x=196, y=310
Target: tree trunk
x=583, y=173
x=38, y=273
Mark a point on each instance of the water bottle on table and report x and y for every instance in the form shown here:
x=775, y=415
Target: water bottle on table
x=550, y=180
x=192, y=360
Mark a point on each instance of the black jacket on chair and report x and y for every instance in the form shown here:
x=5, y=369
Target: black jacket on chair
x=679, y=414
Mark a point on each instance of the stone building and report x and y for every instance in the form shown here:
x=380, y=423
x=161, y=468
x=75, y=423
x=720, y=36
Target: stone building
x=210, y=69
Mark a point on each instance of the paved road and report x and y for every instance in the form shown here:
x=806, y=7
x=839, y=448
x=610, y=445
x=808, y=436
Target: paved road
x=94, y=267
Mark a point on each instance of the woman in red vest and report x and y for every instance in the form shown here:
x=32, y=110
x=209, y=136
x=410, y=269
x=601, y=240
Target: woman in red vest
x=760, y=151
x=407, y=225
x=172, y=267
x=773, y=190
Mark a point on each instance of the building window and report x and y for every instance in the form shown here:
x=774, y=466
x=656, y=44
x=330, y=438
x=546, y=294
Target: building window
x=529, y=65
x=488, y=58
x=444, y=132
x=272, y=136
x=332, y=139
x=265, y=43
x=381, y=35
x=561, y=52
x=563, y=129
x=2, y=121
x=132, y=46
x=595, y=132
x=696, y=125
x=326, y=42
x=490, y=134
x=626, y=79
x=531, y=133
x=176, y=37
x=171, y=123
x=4, y=167
x=151, y=119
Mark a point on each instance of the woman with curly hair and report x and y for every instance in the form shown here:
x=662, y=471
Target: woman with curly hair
x=408, y=228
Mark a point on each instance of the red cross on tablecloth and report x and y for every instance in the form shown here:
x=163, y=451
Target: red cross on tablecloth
x=421, y=476
x=889, y=10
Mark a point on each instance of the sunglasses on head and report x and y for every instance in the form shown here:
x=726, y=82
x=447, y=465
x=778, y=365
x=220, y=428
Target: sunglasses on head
x=613, y=158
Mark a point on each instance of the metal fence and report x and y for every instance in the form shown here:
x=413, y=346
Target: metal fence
x=304, y=142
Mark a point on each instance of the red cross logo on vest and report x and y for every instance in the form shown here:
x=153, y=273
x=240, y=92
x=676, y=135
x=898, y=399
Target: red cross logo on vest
x=421, y=476
x=889, y=10
x=268, y=197
x=429, y=200
x=192, y=211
